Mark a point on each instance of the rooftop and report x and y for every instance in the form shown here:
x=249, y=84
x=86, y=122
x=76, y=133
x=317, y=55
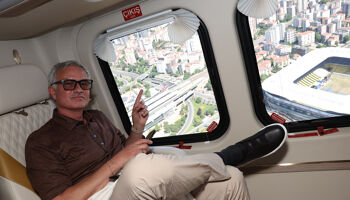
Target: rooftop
x=282, y=83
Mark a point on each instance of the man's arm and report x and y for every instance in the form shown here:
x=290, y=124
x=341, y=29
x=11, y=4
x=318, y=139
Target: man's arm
x=95, y=182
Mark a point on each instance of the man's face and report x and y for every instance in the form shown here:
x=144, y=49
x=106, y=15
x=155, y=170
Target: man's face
x=70, y=100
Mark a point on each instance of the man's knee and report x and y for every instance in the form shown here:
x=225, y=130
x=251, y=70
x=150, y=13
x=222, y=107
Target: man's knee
x=145, y=173
x=236, y=175
x=237, y=185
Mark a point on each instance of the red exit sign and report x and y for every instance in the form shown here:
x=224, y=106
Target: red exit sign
x=131, y=13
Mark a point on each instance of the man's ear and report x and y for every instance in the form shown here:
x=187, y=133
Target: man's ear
x=52, y=92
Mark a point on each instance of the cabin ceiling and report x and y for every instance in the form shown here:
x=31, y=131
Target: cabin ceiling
x=50, y=15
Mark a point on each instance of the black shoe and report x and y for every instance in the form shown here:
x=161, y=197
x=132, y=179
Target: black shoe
x=267, y=141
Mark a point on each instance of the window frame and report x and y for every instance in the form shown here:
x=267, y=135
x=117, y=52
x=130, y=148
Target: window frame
x=252, y=71
x=217, y=90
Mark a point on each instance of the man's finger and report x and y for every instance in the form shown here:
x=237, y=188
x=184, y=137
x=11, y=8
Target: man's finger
x=144, y=141
x=144, y=113
x=138, y=98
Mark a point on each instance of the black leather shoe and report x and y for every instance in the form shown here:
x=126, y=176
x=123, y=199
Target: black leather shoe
x=267, y=141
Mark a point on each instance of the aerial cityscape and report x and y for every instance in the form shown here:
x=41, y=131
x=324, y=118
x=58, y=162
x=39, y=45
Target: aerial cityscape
x=299, y=27
x=301, y=82
x=174, y=77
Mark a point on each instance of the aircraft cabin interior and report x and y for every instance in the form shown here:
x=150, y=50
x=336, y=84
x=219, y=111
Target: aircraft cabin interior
x=212, y=74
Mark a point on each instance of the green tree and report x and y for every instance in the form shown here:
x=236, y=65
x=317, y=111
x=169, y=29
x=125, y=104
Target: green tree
x=346, y=38
x=324, y=1
x=210, y=111
x=196, y=121
x=186, y=75
x=157, y=127
x=263, y=77
x=183, y=110
x=318, y=37
x=199, y=111
x=288, y=17
x=166, y=127
x=197, y=71
x=147, y=86
x=198, y=100
x=276, y=69
x=209, y=86
x=127, y=88
x=148, y=94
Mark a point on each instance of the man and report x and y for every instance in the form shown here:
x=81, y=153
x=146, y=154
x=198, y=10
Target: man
x=74, y=155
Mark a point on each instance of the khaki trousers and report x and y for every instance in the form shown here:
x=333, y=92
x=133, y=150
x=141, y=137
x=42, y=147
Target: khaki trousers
x=173, y=177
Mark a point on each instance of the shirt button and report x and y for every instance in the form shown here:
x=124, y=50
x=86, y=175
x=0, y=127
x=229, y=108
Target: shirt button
x=94, y=135
x=102, y=143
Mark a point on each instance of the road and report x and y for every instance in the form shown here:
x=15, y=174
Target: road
x=189, y=118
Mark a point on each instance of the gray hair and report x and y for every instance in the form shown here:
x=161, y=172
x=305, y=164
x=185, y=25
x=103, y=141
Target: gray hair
x=63, y=65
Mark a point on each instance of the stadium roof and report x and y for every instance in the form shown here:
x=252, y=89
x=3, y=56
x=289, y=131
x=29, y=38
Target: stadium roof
x=283, y=82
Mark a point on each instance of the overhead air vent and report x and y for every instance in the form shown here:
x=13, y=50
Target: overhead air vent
x=13, y=8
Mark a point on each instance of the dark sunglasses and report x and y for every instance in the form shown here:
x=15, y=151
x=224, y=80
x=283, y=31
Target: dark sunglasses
x=70, y=84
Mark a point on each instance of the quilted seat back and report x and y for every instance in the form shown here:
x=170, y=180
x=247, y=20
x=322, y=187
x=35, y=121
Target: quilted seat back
x=15, y=127
x=23, y=109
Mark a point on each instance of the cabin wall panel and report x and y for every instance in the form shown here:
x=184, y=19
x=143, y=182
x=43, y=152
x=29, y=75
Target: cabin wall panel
x=323, y=185
x=26, y=48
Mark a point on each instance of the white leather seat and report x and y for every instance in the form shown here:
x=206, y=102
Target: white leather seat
x=21, y=88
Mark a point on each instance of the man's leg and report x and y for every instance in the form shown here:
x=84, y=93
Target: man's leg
x=265, y=142
x=166, y=176
x=157, y=176
x=231, y=189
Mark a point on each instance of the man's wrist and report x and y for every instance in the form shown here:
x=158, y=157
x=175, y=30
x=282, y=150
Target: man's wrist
x=137, y=131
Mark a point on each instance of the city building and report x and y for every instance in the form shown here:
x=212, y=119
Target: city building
x=283, y=50
x=269, y=46
x=300, y=50
x=273, y=35
x=281, y=62
x=346, y=8
x=264, y=67
x=305, y=23
x=306, y=38
x=252, y=25
x=291, y=11
x=325, y=36
x=290, y=36
x=331, y=28
x=321, y=29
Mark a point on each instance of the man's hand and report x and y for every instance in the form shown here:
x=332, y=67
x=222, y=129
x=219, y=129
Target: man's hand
x=130, y=151
x=139, y=113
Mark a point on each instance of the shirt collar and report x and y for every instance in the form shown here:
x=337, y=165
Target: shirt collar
x=67, y=122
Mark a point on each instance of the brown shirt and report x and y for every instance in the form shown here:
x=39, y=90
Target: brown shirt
x=64, y=151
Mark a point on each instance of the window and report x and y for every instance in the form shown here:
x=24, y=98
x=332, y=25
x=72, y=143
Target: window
x=298, y=63
x=180, y=82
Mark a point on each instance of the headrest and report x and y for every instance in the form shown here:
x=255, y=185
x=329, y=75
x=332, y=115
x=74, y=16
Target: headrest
x=21, y=86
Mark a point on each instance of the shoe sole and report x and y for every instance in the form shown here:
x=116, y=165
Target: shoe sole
x=283, y=141
x=277, y=148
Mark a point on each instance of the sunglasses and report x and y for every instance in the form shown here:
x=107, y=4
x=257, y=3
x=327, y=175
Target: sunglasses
x=70, y=84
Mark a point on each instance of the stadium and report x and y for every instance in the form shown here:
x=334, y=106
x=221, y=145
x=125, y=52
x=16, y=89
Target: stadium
x=317, y=85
